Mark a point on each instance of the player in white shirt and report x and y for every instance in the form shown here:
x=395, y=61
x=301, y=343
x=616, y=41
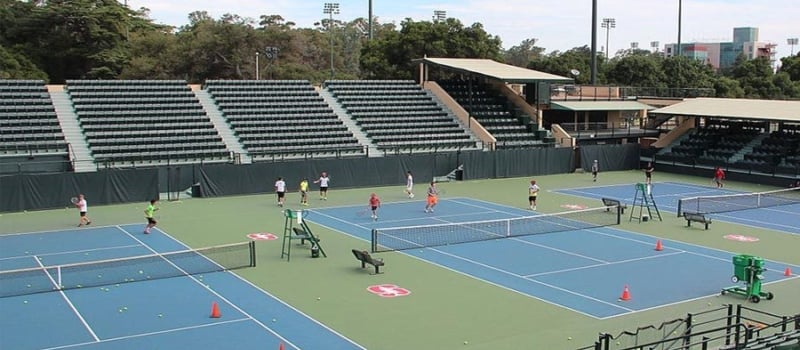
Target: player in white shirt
x=280, y=190
x=83, y=207
x=533, y=192
x=409, y=185
x=323, y=182
x=595, y=170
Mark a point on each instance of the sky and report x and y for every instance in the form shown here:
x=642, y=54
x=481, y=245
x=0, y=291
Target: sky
x=556, y=24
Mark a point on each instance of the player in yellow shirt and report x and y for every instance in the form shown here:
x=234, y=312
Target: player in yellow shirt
x=304, y=192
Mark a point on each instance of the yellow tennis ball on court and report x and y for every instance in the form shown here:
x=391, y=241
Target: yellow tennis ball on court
x=466, y=342
x=569, y=338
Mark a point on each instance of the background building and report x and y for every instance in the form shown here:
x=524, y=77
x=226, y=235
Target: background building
x=723, y=54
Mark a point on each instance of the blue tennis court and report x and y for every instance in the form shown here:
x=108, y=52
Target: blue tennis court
x=143, y=310
x=582, y=270
x=667, y=194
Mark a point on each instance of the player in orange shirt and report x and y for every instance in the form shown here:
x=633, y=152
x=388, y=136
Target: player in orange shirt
x=374, y=204
x=433, y=198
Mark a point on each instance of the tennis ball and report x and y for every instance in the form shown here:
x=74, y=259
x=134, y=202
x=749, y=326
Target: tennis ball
x=120, y=310
x=141, y=272
x=569, y=338
x=29, y=286
x=24, y=301
x=318, y=298
x=124, y=307
x=466, y=342
x=99, y=276
x=160, y=315
x=274, y=320
x=79, y=286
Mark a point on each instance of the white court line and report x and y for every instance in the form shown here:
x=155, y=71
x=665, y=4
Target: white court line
x=193, y=278
x=61, y=230
x=69, y=302
x=73, y=251
x=532, y=280
x=242, y=279
x=606, y=264
x=147, y=334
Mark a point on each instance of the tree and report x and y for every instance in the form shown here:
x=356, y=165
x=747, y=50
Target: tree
x=756, y=77
x=559, y=63
x=390, y=55
x=17, y=66
x=522, y=54
x=791, y=66
x=683, y=72
x=636, y=70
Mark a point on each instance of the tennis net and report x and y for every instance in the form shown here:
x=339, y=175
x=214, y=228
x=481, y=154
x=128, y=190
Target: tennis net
x=125, y=270
x=734, y=202
x=410, y=237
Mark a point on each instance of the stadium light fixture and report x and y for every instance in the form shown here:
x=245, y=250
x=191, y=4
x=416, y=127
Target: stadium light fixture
x=791, y=42
x=330, y=9
x=608, y=23
x=439, y=15
x=654, y=45
x=634, y=45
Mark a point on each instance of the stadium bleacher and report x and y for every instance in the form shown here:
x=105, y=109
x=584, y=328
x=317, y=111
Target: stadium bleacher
x=281, y=117
x=127, y=121
x=28, y=120
x=715, y=143
x=399, y=114
x=491, y=109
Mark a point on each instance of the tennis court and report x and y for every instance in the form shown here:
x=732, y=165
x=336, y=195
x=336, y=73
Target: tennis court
x=583, y=270
x=140, y=303
x=667, y=194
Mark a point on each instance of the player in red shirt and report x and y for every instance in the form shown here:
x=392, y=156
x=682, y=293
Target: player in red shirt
x=719, y=175
x=374, y=204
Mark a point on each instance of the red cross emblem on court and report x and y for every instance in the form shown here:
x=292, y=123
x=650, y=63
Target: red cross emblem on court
x=388, y=290
x=262, y=236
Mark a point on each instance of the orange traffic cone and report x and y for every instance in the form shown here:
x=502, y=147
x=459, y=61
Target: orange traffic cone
x=626, y=294
x=215, y=310
x=659, y=246
x=280, y=347
x=787, y=272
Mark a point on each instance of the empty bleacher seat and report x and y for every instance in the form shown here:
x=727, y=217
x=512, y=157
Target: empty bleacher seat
x=131, y=121
x=281, y=117
x=28, y=121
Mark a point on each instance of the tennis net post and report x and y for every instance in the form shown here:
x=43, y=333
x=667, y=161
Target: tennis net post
x=411, y=237
x=124, y=270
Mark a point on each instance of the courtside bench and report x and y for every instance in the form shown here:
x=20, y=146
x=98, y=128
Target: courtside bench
x=608, y=202
x=696, y=217
x=364, y=257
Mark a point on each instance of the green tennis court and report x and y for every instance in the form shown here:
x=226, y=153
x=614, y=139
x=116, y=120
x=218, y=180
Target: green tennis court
x=445, y=309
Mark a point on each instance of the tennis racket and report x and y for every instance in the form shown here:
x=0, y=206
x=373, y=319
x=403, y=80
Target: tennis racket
x=74, y=200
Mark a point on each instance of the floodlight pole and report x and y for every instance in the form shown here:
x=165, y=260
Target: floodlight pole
x=594, y=42
x=330, y=9
x=256, y=65
x=370, y=20
x=608, y=23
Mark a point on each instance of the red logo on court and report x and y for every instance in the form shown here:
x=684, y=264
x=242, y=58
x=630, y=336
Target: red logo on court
x=574, y=206
x=388, y=290
x=741, y=238
x=262, y=236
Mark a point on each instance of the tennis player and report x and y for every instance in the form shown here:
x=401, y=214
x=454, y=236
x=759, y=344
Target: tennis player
x=648, y=173
x=280, y=190
x=719, y=175
x=410, y=184
x=323, y=182
x=149, y=214
x=374, y=204
x=533, y=192
x=433, y=198
x=595, y=170
x=304, y=192
x=82, y=208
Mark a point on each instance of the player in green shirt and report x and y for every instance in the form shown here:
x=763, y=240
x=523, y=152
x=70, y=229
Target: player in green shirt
x=148, y=214
x=304, y=192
